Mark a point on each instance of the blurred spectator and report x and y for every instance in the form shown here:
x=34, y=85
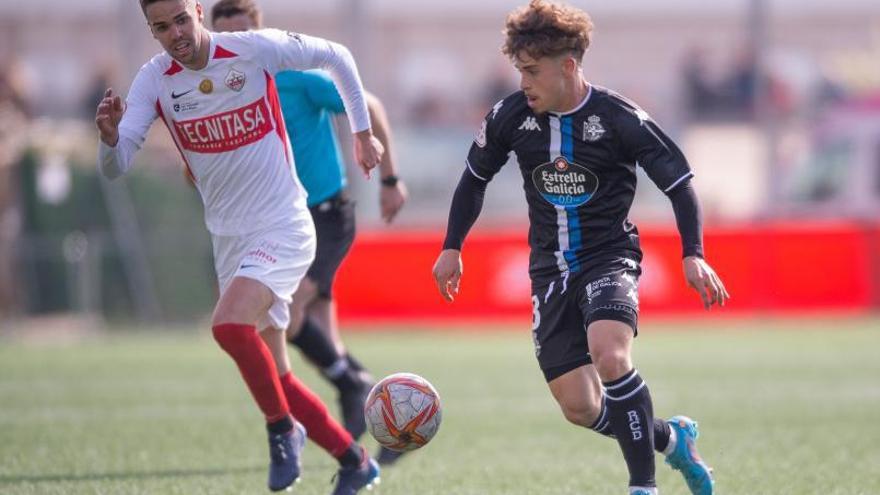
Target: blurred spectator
x=13, y=126
x=499, y=85
x=701, y=97
x=735, y=97
x=102, y=80
x=741, y=86
x=431, y=109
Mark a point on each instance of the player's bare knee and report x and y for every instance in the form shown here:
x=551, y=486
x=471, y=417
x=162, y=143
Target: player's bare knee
x=581, y=412
x=297, y=316
x=612, y=364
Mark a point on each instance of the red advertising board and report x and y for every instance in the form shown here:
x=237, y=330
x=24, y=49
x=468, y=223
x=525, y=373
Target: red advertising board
x=776, y=267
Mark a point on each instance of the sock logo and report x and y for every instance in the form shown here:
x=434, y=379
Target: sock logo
x=635, y=425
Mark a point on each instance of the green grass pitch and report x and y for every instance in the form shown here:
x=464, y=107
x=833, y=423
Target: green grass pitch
x=785, y=407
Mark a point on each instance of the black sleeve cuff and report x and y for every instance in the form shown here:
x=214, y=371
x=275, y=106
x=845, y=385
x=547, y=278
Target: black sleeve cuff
x=688, y=218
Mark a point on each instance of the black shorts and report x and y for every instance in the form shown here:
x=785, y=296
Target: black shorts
x=335, y=227
x=563, y=308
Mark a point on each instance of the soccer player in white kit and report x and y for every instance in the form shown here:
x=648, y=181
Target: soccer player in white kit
x=216, y=94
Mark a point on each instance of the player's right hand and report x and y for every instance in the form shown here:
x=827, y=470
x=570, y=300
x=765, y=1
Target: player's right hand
x=368, y=151
x=107, y=118
x=447, y=273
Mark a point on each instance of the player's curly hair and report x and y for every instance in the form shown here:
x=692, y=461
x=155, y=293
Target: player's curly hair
x=546, y=28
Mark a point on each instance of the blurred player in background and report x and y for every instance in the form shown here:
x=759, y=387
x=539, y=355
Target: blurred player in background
x=578, y=146
x=216, y=93
x=309, y=101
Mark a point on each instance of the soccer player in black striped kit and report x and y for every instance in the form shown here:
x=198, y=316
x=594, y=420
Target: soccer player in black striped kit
x=578, y=146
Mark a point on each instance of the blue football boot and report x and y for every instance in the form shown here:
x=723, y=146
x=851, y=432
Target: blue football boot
x=643, y=491
x=388, y=457
x=685, y=458
x=284, y=450
x=350, y=480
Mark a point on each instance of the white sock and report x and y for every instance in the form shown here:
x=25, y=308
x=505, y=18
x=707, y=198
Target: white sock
x=673, y=439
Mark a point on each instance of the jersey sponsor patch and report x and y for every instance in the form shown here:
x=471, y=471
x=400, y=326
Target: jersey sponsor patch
x=225, y=131
x=186, y=106
x=565, y=184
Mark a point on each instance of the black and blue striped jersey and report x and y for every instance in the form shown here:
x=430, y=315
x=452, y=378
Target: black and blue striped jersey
x=579, y=173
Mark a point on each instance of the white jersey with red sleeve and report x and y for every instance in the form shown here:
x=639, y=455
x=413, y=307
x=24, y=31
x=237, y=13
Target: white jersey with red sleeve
x=226, y=121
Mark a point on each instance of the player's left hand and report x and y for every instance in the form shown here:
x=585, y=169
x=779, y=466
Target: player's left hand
x=391, y=200
x=368, y=151
x=705, y=281
x=447, y=273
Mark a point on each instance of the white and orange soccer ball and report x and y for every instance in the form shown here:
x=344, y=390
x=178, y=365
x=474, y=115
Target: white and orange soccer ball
x=403, y=412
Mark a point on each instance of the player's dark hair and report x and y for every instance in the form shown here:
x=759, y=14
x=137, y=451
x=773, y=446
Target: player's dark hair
x=545, y=28
x=232, y=8
x=144, y=4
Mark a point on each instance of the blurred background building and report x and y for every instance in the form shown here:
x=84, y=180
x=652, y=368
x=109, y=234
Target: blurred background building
x=775, y=102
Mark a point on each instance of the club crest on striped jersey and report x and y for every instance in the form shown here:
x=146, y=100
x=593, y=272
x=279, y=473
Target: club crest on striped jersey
x=593, y=130
x=563, y=183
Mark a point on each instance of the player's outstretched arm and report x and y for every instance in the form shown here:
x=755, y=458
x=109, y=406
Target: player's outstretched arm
x=392, y=193
x=122, y=126
x=697, y=272
x=447, y=273
x=285, y=50
x=108, y=116
x=466, y=205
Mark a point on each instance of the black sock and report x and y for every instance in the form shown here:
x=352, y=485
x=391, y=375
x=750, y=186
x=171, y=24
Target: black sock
x=602, y=426
x=631, y=415
x=349, y=380
x=281, y=426
x=354, y=363
x=662, y=431
x=319, y=349
x=316, y=345
x=352, y=457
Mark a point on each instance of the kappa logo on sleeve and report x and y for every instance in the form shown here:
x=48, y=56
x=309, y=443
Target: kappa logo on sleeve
x=296, y=36
x=497, y=108
x=530, y=124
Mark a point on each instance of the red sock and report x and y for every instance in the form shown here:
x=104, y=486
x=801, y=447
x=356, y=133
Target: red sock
x=256, y=365
x=308, y=409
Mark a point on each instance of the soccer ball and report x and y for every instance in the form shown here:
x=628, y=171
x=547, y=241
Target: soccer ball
x=403, y=412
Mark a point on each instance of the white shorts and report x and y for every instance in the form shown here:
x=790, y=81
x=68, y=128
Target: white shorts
x=278, y=257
